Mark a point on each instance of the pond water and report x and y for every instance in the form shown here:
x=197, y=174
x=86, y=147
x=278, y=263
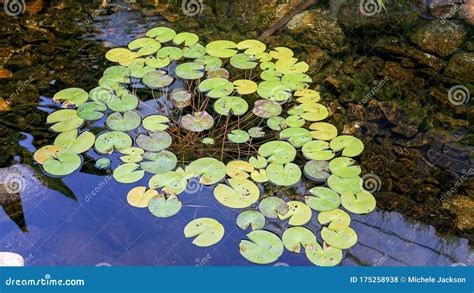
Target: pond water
x=84, y=218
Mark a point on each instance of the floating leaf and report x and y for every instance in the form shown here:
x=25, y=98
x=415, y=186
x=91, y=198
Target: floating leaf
x=258, y=162
x=64, y=120
x=162, y=34
x=209, y=62
x=154, y=142
x=102, y=163
x=47, y=152
x=298, y=213
x=294, y=121
x=326, y=256
x=63, y=163
x=239, y=169
x=172, y=53
x=267, y=109
x=324, y=199
x=163, y=207
x=207, y=230
x=190, y=70
x=271, y=75
x=251, y=218
x=245, y=86
x=295, y=237
x=71, y=96
x=281, y=53
x=256, y=132
x=307, y=96
x=216, y=87
x=160, y=162
x=276, y=123
x=122, y=56
x=70, y=141
x=240, y=194
x=277, y=152
x=291, y=65
x=317, y=150
x=99, y=95
x=350, y=146
x=154, y=62
x=264, y=247
x=221, y=49
x=171, y=182
x=235, y=105
x=362, y=202
x=123, y=103
x=337, y=219
x=344, y=167
x=138, y=68
x=283, y=175
x=323, y=131
x=208, y=141
x=195, y=51
x=218, y=73
x=155, y=122
x=128, y=121
x=274, y=91
x=297, y=136
x=140, y=196
x=351, y=185
x=108, y=141
x=157, y=79
x=197, y=122
x=210, y=170
x=91, y=111
x=181, y=98
x=259, y=176
x=144, y=46
x=313, y=112
x=243, y=61
x=128, y=173
x=238, y=136
x=252, y=47
x=188, y=39
x=272, y=206
x=295, y=81
x=343, y=239
x=317, y=170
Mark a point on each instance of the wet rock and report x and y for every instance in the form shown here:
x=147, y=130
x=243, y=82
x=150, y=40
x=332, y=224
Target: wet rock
x=467, y=11
x=442, y=8
x=463, y=208
x=5, y=73
x=461, y=67
x=397, y=116
x=319, y=28
x=440, y=38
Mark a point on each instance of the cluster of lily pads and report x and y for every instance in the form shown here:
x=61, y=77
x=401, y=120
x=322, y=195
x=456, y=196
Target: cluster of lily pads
x=268, y=114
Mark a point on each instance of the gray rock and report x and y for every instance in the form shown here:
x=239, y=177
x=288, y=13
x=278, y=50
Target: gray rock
x=461, y=67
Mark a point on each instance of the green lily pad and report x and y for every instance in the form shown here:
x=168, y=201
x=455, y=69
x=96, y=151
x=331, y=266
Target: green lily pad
x=209, y=62
x=342, y=239
x=207, y=230
x=283, y=175
x=91, y=111
x=108, y=141
x=124, y=122
x=195, y=51
x=251, y=218
x=163, y=207
x=344, y=167
x=100, y=95
x=162, y=34
x=298, y=213
x=47, y=152
x=326, y=256
x=154, y=142
x=264, y=247
x=190, y=70
x=271, y=75
x=210, y=170
x=235, y=105
x=317, y=170
x=274, y=91
x=295, y=81
x=197, y=122
x=294, y=121
x=281, y=53
x=216, y=87
x=297, y=136
x=140, y=196
x=144, y=46
x=323, y=131
x=188, y=39
x=313, y=112
x=239, y=169
x=181, y=98
x=133, y=155
x=171, y=182
x=64, y=120
x=123, y=103
x=64, y=163
x=218, y=73
x=243, y=61
x=245, y=86
x=267, y=109
x=350, y=146
x=350, y=185
x=155, y=122
x=259, y=176
x=277, y=152
x=71, y=96
x=221, y=49
x=337, y=219
x=291, y=65
x=295, y=237
x=307, y=96
x=138, y=69
x=172, y=53
x=241, y=193
x=238, y=136
x=272, y=206
x=157, y=79
x=276, y=123
x=258, y=162
x=324, y=199
x=208, y=141
x=160, y=162
x=362, y=202
x=256, y=132
x=252, y=47
x=102, y=163
x=122, y=56
x=70, y=141
x=317, y=150
x=128, y=173
x=157, y=63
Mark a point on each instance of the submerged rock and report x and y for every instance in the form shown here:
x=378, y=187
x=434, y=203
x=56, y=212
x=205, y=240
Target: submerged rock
x=461, y=67
x=467, y=11
x=463, y=208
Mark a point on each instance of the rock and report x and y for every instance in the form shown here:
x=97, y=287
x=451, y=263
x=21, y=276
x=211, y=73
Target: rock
x=461, y=67
x=442, y=8
x=467, y=11
x=319, y=28
x=5, y=73
x=463, y=208
x=11, y=259
x=440, y=38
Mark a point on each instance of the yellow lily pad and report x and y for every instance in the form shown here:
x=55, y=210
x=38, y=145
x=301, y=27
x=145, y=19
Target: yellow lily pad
x=206, y=230
x=298, y=213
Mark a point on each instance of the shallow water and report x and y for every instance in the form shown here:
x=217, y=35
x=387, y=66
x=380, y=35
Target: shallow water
x=100, y=228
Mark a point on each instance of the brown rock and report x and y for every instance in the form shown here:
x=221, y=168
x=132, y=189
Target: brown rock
x=440, y=38
x=467, y=11
x=463, y=208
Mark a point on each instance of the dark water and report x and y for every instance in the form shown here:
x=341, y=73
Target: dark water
x=94, y=225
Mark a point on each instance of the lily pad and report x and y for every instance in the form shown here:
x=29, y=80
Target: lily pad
x=134, y=155
x=245, y=86
x=256, y=132
x=241, y=193
x=71, y=96
x=295, y=237
x=251, y=218
x=297, y=136
x=317, y=170
x=350, y=185
x=218, y=73
x=63, y=163
x=64, y=120
x=154, y=142
x=362, y=202
x=258, y=162
x=210, y=170
x=291, y=65
x=294, y=121
x=243, y=61
x=216, y=87
x=128, y=173
x=344, y=167
x=160, y=162
x=139, y=196
x=324, y=199
x=259, y=176
x=155, y=122
x=91, y=111
x=208, y=141
x=102, y=163
x=317, y=150
x=197, y=122
x=171, y=182
x=276, y=123
x=181, y=98
x=326, y=256
x=337, y=219
x=190, y=70
x=314, y=112
x=277, y=152
x=188, y=39
x=46, y=152
x=108, y=141
x=239, y=169
x=144, y=46
x=252, y=47
x=298, y=213
x=172, y=53
x=264, y=247
x=163, y=207
x=235, y=105
x=157, y=79
x=209, y=62
x=274, y=91
x=221, y=49
x=342, y=239
x=271, y=75
x=283, y=175
x=123, y=103
x=74, y=143
x=124, y=122
x=295, y=81
x=100, y=95
x=207, y=230
x=238, y=136
x=272, y=206
x=195, y=51
x=123, y=56
x=162, y=34
x=323, y=131
x=281, y=53
x=350, y=146
x=267, y=109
